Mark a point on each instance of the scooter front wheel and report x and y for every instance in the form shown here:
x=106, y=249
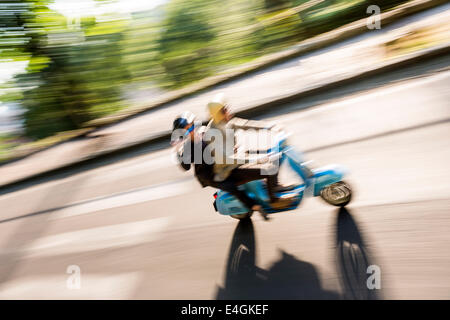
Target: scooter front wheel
x=337, y=194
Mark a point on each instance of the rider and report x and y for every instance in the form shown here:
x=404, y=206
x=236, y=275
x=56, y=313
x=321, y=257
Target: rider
x=193, y=144
x=229, y=168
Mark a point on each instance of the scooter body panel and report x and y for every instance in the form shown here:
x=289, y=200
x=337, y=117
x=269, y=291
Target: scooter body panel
x=325, y=176
x=227, y=204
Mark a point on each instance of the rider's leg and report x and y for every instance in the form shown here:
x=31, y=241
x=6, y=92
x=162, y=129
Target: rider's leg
x=243, y=175
x=231, y=187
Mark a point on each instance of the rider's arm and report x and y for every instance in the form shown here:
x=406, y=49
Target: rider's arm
x=186, y=165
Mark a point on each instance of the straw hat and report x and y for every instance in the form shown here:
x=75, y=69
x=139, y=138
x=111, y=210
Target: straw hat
x=215, y=107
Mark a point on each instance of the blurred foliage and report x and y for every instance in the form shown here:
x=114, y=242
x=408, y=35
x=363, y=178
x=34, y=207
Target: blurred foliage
x=184, y=43
x=75, y=68
x=7, y=143
x=418, y=39
x=78, y=69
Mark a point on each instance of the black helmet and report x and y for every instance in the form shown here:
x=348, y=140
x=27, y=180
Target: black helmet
x=183, y=120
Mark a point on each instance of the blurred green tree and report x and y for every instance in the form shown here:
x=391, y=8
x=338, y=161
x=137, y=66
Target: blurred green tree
x=184, y=45
x=139, y=48
x=75, y=69
x=271, y=5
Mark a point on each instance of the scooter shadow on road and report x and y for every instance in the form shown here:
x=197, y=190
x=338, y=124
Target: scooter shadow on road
x=288, y=278
x=353, y=259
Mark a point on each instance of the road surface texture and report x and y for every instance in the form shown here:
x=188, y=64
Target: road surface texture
x=138, y=227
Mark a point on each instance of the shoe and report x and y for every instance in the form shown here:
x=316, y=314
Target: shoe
x=256, y=207
x=282, y=202
x=283, y=188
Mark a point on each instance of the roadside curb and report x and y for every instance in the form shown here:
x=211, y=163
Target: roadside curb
x=164, y=137
x=388, y=66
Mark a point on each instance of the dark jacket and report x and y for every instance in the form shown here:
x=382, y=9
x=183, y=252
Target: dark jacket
x=192, y=154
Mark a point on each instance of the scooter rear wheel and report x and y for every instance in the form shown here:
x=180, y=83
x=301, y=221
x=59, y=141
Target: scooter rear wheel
x=337, y=194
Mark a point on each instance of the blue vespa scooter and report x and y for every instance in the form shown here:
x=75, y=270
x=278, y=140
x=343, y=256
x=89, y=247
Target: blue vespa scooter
x=325, y=182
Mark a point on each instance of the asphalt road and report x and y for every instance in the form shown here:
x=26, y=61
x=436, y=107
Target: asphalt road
x=141, y=228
